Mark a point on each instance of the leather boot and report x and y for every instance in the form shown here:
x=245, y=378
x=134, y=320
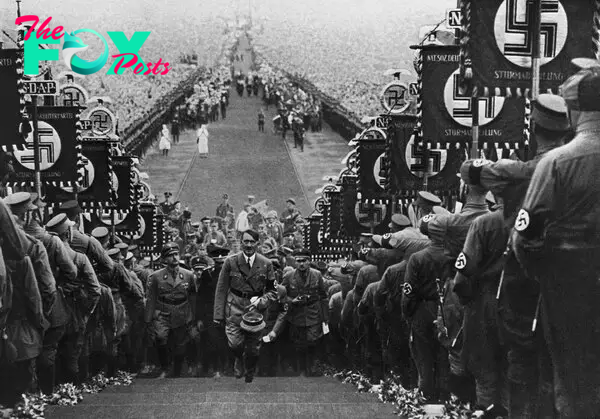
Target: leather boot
x=46, y=377
x=238, y=366
x=301, y=362
x=250, y=362
x=163, y=359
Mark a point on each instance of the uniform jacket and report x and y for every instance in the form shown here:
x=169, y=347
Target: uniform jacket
x=237, y=275
x=315, y=308
x=102, y=325
x=389, y=293
x=349, y=321
x=92, y=248
x=277, y=312
x=85, y=296
x=223, y=210
x=276, y=231
x=218, y=237
x=422, y=270
x=288, y=218
x=168, y=295
x=43, y=274
x=336, y=303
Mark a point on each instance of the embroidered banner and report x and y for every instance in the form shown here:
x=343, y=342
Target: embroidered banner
x=447, y=114
x=371, y=183
x=122, y=180
x=60, y=154
x=498, y=46
x=408, y=168
x=358, y=217
x=11, y=101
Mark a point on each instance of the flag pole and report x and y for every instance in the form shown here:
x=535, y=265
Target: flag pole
x=535, y=29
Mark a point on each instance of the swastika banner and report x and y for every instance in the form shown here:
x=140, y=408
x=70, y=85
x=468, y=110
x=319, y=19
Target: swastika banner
x=447, y=113
x=312, y=242
x=370, y=181
x=500, y=48
x=407, y=164
x=94, y=189
x=149, y=240
x=358, y=217
x=59, y=157
x=10, y=102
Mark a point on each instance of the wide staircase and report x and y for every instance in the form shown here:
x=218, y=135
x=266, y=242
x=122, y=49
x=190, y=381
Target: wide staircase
x=225, y=397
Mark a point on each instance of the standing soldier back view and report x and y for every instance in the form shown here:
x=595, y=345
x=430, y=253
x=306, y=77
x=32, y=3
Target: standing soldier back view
x=261, y=120
x=246, y=283
x=557, y=240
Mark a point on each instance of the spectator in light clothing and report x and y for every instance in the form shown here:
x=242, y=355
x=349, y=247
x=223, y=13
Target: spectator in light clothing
x=202, y=141
x=242, y=224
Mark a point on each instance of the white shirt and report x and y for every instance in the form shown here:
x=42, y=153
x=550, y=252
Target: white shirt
x=250, y=260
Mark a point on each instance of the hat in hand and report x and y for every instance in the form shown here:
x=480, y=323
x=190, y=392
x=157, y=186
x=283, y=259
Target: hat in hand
x=252, y=322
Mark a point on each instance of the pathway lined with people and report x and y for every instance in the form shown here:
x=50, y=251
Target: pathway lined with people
x=243, y=161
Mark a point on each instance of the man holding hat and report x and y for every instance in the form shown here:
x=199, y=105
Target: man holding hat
x=557, y=241
x=308, y=309
x=80, y=296
x=246, y=283
x=168, y=308
x=290, y=214
x=508, y=180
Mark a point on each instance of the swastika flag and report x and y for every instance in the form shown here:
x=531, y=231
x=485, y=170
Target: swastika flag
x=499, y=44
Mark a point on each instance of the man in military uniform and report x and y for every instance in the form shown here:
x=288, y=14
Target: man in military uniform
x=558, y=244
x=420, y=302
x=81, y=296
x=101, y=234
x=308, y=309
x=225, y=211
x=508, y=180
x=289, y=215
x=479, y=267
x=422, y=206
x=168, y=308
x=167, y=206
x=246, y=282
x=83, y=243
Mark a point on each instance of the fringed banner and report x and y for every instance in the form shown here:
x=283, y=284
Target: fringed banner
x=59, y=156
x=371, y=183
x=313, y=237
x=497, y=47
x=334, y=220
x=358, y=217
x=126, y=223
x=122, y=183
x=447, y=114
x=13, y=101
x=149, y=239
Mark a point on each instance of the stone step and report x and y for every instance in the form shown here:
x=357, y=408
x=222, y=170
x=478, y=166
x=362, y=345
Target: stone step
x=373, y=410
x=120, y=399
x=166, y=386
x=231, y=380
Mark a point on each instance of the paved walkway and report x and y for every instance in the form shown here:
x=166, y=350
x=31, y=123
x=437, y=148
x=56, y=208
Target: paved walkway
x=243, y=161
x=266, y=398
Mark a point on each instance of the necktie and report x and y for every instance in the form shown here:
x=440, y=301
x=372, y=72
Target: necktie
x=249, y=261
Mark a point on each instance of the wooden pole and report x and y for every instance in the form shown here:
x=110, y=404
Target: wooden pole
x=475, y=120
x=535, y=29
x=36, y=148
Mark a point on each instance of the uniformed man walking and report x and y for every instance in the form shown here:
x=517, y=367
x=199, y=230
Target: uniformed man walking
x=168, y=308
x=308, y=309
x=246, y=283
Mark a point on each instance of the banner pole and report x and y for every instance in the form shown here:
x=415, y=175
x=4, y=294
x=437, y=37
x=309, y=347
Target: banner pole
x=475, y=123
x=36, y=148
x=535, y=29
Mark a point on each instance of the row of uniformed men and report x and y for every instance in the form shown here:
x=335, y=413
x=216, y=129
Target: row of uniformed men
x=504, y=302
x=66, y=299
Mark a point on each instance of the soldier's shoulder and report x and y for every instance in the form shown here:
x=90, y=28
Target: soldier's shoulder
x=186, y=272
x=158, y=273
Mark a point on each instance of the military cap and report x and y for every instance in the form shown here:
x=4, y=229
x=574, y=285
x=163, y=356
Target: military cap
x=36, y=200
x=196, y=224
x=366, y=235
x=169, y=249
x=100, y=232
x=301, y=253
x=550, y=112
x=268, y=249
x=583, y=63
x=284, y=251
x=205, y=219
x=168, y=194
x=253, y=322
x=251, y=197
x=59, y=224
x=197, y=262
x=132, y=247
x=425, y=198
x=225, y=196
x=190, y=235
x=19, y=202
x=217, y=252
x=581, y=91
x=113, y=252
x=399, y=221
x=271, y=214
x=71, y=208
x=352, y=267
x=292, y=200
x=122, y=246
x=128, y=256
x=144, y=263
